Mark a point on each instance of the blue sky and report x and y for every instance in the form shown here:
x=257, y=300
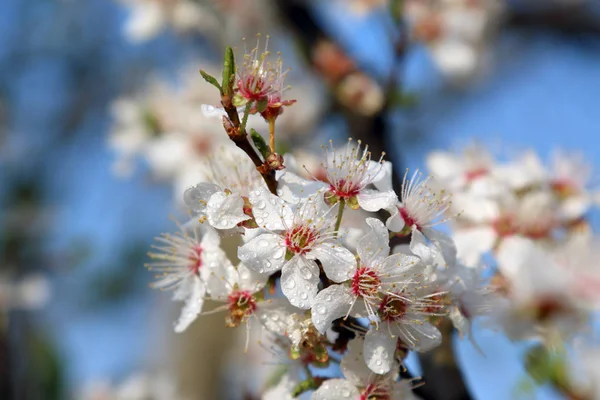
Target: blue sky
x=544, y=92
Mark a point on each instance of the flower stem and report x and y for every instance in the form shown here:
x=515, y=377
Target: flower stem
x=340, y=214
x=272, y=134
x=245, y=116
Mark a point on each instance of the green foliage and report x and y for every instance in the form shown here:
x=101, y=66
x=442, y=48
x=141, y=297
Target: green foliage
x=212, y=80
x=305, y=386
x=45, y=376
x=260, y=143
x=546, y=366
x=228, y=72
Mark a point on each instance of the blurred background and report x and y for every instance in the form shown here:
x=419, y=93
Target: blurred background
x=101, y=129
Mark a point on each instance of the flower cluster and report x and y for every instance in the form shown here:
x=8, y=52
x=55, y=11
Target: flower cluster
x=162, y=126
x=334, y=265
x=531, y=220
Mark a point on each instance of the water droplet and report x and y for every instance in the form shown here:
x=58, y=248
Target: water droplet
x=328, y=298
x=257, y=192
x=261, y=270
x=261, y=205
x=290, y=284
x=303, y=296
x=378, y=362
x=345, y=393
x=223, y=222
x=278, y=254
x=321, y=309
x=306, y=273
x=268, y=263
x=275, y=317
x=259, y=220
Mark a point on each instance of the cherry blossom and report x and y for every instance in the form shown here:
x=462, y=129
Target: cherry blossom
x=294, y=241
x=185, y=260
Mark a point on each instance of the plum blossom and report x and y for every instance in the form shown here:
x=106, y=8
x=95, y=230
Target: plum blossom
x=351, y=173
x=148, y=18
x=260, y=79
x=295, y=239
x=376, y=273
x=223, y=201
x=541, y=296
x=184, y=262
x=361, y=383
x=391, y=291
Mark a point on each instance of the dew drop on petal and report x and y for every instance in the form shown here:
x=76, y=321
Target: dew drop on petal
x=290, y=284
x=303, y=296
x=278, y=254
x=306, y=273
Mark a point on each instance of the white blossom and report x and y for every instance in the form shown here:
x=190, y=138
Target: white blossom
x=294, y=241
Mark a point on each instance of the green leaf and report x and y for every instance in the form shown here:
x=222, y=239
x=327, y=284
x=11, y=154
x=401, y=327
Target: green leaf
x=228, y=72
x=212, y=80
x=260, y=143
x=238, y=101
x=262, y=105
x=305, y=386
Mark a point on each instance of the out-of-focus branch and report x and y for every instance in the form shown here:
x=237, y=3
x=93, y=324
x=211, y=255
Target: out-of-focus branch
x=357, y=97
x=442, y=374
x=564, y=18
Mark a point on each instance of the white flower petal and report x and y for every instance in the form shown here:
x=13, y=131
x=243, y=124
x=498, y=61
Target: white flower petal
x=379, y=350
x=395, y=223
x=444, y=165
x=225, y=211
x=375, y=245
x=373, y=200
x=444, y=243
x=330, y=304
x=270, y=211
x=145, y=22
x=419, y=246
x=197, y=197
x=299, y=281
x=292, y=187
x=273, y=315
x=398, y=264
x=421, y=336
x=338, y=262
x=472, y=243
x=264, y=254
x=383, y=180
x=250, y=280
x=336, y=389
x=353, y=365
x=192, y=307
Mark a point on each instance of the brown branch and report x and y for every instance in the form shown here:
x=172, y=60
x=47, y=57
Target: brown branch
x=238, y=135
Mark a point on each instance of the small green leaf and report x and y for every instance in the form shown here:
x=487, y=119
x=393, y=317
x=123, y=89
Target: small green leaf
x=238, y=101
x=304, y=386
x=228, y=71
x=212, y=80
x=262, y=105
x=260, y=143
